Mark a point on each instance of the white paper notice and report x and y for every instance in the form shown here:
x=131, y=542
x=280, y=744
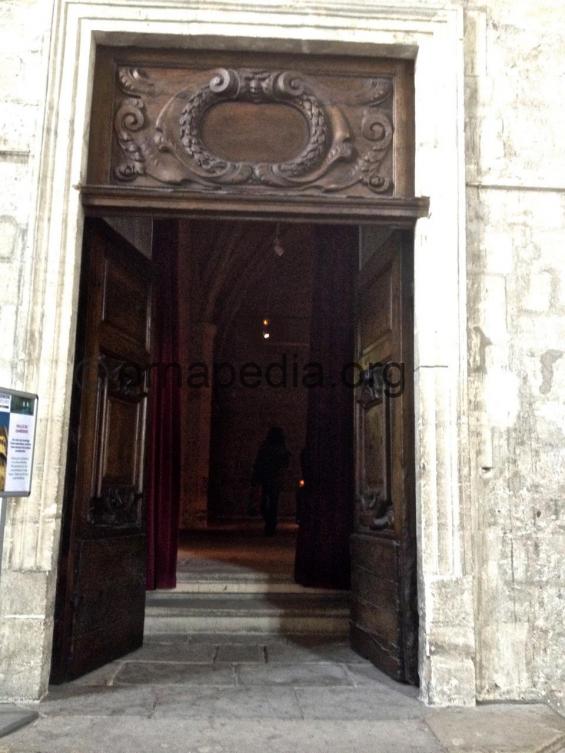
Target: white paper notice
x=17, y=431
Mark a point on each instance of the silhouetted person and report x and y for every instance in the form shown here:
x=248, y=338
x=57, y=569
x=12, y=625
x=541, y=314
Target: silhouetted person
x=268, y=470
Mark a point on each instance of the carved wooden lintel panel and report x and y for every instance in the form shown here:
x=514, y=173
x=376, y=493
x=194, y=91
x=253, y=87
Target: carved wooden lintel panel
x=252, y=126
x=335, y=154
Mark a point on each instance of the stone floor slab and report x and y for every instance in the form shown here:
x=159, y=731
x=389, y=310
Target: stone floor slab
x=363, y=704
x=164, y=673
x=131, y=735
x=84, y=701
x=366, y=675
x=14, y=717
x=498, y=728
x=99, y=677
x=295, y=675
x=260, y=704
x=240, y=653
x=174, y=652
x=306, y=649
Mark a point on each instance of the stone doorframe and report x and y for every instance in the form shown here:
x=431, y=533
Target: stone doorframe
x=433, y=35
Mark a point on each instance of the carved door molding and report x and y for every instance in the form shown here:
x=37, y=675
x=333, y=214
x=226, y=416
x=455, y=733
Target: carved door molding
x=225, y=130
x=100, y=603
x=383, y=545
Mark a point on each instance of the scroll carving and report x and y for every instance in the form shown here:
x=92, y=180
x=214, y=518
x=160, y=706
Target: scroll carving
x=159, y=133
x=129, y=120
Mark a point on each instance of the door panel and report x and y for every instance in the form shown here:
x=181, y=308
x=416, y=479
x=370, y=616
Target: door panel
x=384, y=615
x=101, y=590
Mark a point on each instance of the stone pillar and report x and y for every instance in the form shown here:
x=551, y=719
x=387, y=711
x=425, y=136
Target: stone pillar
x=196, y=432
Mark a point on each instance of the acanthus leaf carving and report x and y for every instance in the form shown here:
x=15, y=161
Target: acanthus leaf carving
x=134, y=81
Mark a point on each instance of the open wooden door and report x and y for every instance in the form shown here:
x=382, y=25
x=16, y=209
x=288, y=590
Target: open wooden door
x=383, y=545
x=101, y=589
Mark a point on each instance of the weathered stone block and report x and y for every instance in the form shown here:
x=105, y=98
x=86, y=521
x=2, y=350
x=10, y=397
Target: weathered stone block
x=23, y=594
x=23, y=663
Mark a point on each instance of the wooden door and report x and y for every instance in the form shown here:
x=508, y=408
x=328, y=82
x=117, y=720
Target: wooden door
x=101, y=589
x=383, y=548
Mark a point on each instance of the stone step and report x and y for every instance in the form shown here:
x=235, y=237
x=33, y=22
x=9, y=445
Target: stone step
x=177, y=612
x=252, y=585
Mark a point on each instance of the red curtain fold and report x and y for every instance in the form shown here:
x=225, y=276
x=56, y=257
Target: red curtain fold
x=163, y=445
x=322, y=554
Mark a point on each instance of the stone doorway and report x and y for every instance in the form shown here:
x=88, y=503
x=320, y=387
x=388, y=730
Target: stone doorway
x=100, y=525
x=439, y=255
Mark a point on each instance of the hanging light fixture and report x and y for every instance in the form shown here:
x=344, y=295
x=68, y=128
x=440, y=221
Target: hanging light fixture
x=278, y=247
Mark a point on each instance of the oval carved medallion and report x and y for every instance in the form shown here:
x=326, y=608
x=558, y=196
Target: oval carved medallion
x=248, y=132
x=257, y=87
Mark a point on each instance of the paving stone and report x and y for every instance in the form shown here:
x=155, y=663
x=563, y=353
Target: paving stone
x=99, y=677
x=14, y=717
x=240, y=652
x=134, y=735
x=227, y=703
x=368, y=675
x=174, y=652
x=299, y=675
x=115, y=701
x=307, y=649
x=365, y=704
x=498, y=728
x=165, y=673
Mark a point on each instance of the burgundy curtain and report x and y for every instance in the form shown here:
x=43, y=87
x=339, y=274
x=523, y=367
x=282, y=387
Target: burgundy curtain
x=163, y=446
x=322, y=554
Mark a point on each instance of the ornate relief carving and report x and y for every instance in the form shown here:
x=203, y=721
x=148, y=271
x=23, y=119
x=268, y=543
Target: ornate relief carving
x=257, y=87
x=375, y=511
x=130, y=119
x=349, y=133
x=121, y=395
x=125, y=380
x=118, y=506
x=372, y=386
x=134, y=80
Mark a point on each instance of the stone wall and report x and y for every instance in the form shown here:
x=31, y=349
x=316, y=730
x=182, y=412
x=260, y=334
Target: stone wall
x=516, y=307
x=24, y=583
x=515, y=217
